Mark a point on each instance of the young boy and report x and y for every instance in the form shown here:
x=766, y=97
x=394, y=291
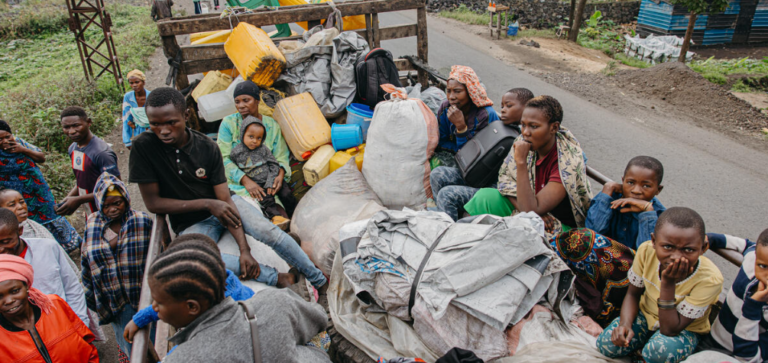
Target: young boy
x=740, y=326
x=628, y=212
x=188, y=289
x=114, y=256
x=455, y=192
x=672, y=286
x=234, y=288
x=90, y=157
x=258, y=163
x=180, y=172
x=513, y=104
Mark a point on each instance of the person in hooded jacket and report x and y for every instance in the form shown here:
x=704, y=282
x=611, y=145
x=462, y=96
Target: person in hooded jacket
x=114, y=256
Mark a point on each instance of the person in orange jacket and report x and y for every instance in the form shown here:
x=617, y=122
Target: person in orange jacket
x=35, y=327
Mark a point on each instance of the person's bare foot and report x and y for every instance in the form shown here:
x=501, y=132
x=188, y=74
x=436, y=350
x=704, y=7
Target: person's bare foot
x=285, y=279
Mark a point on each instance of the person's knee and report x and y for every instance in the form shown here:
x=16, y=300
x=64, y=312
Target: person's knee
x=651, y=354
x=605, y=345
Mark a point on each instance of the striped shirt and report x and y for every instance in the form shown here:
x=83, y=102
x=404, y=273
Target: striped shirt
x=740, y=327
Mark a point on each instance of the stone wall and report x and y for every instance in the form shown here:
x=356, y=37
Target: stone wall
x=543, y=14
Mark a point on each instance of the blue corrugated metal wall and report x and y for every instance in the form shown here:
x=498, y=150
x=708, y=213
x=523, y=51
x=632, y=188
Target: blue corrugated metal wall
x=665, y=18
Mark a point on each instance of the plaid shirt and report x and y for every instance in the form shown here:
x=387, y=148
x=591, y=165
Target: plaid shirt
x=112, y=278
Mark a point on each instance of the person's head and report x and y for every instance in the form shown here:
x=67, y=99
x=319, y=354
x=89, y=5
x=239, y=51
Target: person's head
x=111, y=196
x=679, y=233
x=247, y=95
x=254, y=133
x=136, y=79
x=12, y=200
x=76, y=123
x=6, y=136
x=16, y=291
x=512, y=105
x=761, y=257
x=167, y=114
x=642, y=178
x=10, y=233
x=541, y=121
x=186, y=280
x=464, y=89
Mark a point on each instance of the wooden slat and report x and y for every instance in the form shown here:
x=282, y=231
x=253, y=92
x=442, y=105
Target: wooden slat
x=597, y=176
x=208, y=57
x=282, y=15
x=376, y=34
x=403, y=65
x=422, y=44
x=162, y=333
x=141, y=342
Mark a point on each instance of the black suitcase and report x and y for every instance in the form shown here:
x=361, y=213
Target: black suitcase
x=481, y=157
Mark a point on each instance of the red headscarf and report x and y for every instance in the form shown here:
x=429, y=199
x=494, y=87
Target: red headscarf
x=16, y=268
x=469, y=79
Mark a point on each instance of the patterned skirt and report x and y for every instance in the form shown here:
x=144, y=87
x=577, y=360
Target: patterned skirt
x=601, y=266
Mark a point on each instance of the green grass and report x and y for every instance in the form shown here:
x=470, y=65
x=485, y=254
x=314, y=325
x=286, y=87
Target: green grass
x=718, y=70
x=466, y=15
x=632, y=62
x=41, y=74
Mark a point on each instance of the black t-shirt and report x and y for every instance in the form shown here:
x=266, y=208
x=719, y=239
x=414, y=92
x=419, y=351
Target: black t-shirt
x=188, y=173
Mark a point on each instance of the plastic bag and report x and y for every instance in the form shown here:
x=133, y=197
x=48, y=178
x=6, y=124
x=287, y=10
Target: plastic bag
x=340, y=198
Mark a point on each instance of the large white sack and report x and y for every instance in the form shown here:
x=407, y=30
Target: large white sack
x=401, y=140
x=340, y=198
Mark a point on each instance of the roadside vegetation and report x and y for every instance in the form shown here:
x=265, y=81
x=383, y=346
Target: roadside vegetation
x=743, y=75
x=467, y=16
x=41, y=74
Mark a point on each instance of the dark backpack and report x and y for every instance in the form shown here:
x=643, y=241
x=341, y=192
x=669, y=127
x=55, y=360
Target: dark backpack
x=481, y=157
x=371, y=71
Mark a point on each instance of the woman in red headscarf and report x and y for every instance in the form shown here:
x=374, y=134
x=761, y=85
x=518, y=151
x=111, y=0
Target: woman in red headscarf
x=35, y=327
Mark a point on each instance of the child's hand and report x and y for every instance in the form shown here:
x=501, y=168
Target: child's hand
x=761, y=294
x=631, y=205
x=676, y=271
x=611, y=187
x=130, y=330
x=271, y=191
x=621, y=336
x=456, y=117
x=255, y=190
x=131, y=124
x=521, y=150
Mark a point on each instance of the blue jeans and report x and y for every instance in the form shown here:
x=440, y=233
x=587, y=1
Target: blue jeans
x=450, y=190
x=656, y=347
x=260, y=228
x=118, y=325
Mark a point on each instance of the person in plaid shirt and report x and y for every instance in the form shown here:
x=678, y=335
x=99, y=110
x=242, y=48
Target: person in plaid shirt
x=114, y=256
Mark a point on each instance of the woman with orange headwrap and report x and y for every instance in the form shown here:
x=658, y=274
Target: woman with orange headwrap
x=466, y=111
x=35, y=327
x=134, y=117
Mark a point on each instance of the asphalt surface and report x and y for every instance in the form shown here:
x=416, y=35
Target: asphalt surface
x=716, y=176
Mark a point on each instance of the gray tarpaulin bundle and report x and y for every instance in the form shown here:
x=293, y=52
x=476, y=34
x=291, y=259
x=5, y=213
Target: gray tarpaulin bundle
x=323, y=64
x=655, y=49
x=461, y=284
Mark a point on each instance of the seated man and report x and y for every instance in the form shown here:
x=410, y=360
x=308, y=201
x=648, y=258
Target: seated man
x=53, y=274
x=180, y=172
x=628, y=212
x=740, y=327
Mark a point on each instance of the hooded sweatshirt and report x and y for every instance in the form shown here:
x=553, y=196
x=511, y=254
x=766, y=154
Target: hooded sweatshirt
x=258, y=164
x=222, y=334
x=112, y=278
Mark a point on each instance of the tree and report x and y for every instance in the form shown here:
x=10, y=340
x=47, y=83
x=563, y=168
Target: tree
x=696, y=8
x=576, y=19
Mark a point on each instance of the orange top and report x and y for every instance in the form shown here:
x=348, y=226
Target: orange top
x=65, y=337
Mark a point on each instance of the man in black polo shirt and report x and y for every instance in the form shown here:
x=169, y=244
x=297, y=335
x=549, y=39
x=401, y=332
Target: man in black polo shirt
x=180, y=172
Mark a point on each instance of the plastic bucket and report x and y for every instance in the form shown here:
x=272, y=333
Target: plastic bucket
x=360, y=114
x=512, y=29
x=346, y=136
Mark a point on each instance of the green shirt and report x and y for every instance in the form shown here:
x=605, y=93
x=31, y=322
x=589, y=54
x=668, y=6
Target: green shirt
x=229, y=137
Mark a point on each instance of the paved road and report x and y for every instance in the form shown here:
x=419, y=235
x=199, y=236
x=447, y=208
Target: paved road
x=709, y=172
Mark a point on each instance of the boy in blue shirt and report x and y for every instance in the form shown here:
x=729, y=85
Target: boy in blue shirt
x=628, y=212
x=740, y=328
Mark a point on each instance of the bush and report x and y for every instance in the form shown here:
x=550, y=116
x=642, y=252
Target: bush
x=715, y=77
x=35, y=17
